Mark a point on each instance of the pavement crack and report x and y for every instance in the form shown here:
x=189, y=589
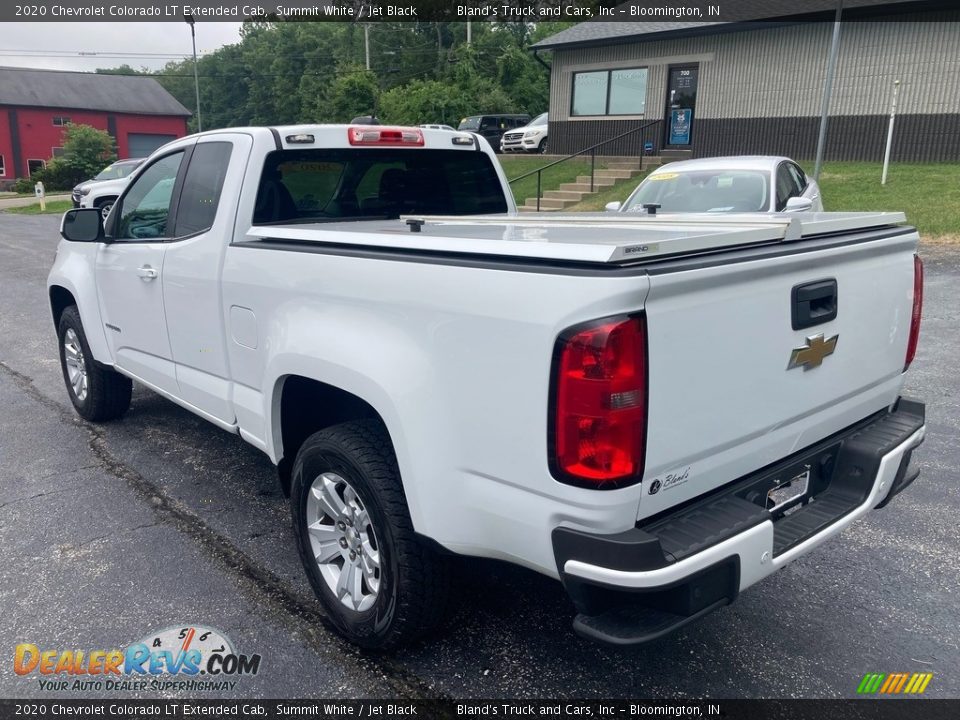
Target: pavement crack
x=257, y=580
x=16, y=501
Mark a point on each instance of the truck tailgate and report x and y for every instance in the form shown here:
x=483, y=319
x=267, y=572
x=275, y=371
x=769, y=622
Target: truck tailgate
x=734, y=387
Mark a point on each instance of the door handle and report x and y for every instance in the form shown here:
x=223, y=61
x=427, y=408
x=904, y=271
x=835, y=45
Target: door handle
x=146, y=273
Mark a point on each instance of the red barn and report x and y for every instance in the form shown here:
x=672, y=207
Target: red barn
x=37, y=105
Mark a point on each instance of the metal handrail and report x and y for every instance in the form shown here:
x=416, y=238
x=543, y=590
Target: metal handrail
x=593, y=158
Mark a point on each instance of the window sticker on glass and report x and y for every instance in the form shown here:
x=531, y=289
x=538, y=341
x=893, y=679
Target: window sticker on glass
x=664, y=176
x=725, y=181
x=301, y=166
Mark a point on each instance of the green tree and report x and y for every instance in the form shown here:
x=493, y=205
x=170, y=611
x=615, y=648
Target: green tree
x=353, y=92
x=86, y=151
x=292, y=72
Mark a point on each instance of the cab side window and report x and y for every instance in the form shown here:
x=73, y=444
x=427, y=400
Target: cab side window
x=201, y=187
x=145, y=207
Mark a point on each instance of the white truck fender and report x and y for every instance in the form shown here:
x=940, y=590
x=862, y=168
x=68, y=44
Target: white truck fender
x=395, y=379
x=75, y=272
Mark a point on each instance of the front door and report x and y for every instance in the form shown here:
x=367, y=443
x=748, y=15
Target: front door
x=681, y=104
x=129, y=275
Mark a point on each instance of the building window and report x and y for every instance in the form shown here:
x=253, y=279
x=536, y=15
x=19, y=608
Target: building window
x=35, y=166
x=60, y=121
x=3, y=167
x=610, y=92
x=57, y=152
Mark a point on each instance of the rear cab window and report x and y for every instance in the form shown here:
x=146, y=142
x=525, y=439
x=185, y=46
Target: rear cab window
x=375, y=183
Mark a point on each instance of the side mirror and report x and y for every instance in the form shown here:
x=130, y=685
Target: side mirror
x=82, y=225
x=798, y=204
x=613, y=206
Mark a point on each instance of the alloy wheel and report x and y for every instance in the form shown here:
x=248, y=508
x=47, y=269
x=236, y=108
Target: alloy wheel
x=343, y=541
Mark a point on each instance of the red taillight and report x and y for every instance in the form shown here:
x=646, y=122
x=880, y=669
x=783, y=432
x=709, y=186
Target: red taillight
x=600, y=403
x=917, y=310
x=374, y=135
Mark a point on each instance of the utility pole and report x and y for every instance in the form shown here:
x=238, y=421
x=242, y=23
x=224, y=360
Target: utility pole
x=188, y=19
x=893, y=114
x=827, y=91
x=469, y=35
x=366, y=42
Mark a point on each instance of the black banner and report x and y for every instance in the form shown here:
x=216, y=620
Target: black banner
x=659, y=11
x=442, y=709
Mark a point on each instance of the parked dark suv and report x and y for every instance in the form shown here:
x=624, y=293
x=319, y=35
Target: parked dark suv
x=492, y=127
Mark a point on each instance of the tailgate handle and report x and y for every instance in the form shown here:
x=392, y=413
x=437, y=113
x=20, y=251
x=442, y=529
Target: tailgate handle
x=813, y=303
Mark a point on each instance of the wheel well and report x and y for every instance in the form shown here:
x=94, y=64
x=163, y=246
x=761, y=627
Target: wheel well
x=60, y=300
x=100, y=201
x=307, y=406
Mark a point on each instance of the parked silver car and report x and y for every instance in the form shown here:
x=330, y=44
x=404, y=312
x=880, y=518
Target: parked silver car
x=758, y=183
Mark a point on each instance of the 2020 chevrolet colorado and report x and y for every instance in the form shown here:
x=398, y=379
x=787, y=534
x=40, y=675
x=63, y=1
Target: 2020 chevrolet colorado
x=657, y=411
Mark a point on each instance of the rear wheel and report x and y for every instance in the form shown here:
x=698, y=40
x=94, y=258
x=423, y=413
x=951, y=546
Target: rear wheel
x=380, y=584
x=97, y=392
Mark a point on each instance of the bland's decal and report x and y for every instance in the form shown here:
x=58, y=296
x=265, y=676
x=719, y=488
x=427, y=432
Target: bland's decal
x=670, y=480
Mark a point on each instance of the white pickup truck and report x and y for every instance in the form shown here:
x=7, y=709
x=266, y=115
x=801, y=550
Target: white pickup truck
x=657, y=411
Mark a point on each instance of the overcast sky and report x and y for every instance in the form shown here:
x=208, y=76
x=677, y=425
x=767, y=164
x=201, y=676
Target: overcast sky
x=58, y=45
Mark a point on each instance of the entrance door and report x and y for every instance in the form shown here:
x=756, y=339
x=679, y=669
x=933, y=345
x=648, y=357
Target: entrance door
x=681, y=103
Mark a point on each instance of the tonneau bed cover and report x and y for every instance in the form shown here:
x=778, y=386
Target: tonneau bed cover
x=583, y=237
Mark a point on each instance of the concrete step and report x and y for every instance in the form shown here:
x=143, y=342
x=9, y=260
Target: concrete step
x=563, y=194
x=597, y=181
x=623, y=165
x=616, y=174
x=676, y=154
x=549, y=203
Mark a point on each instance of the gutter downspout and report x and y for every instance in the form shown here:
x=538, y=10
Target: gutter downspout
x=536, y=56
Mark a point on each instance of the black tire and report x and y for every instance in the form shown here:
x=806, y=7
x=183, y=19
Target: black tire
x=414, y=577
x=104, y=205
x=542, y=147
x=107, y=391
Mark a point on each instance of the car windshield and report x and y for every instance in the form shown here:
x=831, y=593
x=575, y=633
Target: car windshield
x=300, y=186
x=116, y=171
x=470, y=123
x=540, y=119
x=703, y=191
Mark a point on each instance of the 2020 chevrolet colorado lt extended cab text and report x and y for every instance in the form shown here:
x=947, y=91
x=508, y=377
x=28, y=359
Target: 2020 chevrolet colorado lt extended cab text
x=658, y=411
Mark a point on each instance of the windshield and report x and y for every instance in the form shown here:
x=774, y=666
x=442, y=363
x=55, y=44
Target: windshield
x=540, y=119
x=116, y=171
x=703, y=191
x=470, y=123
x=383, y=182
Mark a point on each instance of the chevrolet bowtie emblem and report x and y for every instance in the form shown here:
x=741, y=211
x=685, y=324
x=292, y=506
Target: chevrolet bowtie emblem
x=812, y=354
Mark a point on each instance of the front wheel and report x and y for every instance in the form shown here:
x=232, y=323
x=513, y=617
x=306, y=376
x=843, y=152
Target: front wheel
x=380, y=584
x=542, y=147
x=98, y=393
x=105, y=207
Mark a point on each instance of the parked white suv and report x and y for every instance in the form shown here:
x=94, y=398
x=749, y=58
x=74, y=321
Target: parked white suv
x=530, y=138
x=105, y=188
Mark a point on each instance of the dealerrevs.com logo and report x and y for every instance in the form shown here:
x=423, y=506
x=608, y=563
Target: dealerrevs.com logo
x=185, y=658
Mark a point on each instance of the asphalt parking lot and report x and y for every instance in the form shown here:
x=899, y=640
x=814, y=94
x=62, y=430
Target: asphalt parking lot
x=110, y=532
